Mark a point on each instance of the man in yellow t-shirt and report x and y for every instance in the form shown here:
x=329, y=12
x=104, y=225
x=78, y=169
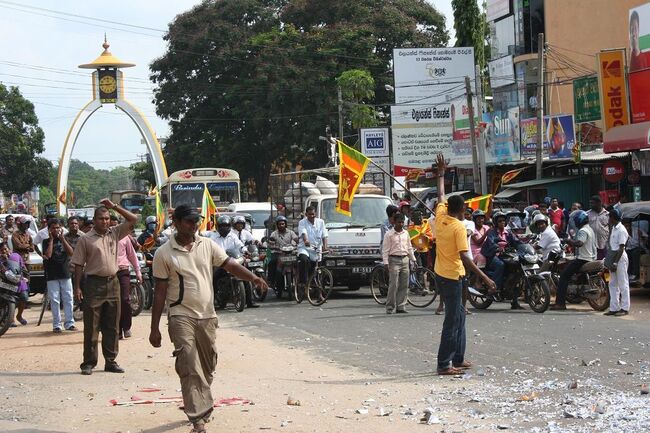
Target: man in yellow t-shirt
x=451, y=255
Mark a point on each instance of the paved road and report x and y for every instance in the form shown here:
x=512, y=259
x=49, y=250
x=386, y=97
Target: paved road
x=521, y=352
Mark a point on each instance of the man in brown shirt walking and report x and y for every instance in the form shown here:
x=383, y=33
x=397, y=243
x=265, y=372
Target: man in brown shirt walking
x=96, y=256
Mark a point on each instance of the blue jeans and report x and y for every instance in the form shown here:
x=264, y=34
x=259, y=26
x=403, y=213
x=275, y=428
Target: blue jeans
x=452, y=339
x=60, y=291
x=495, y=271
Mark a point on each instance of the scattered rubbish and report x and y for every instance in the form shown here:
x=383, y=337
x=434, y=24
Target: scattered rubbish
x=284, y=424
x=384, y=412
x=503, y=427
x=528, y=397
x=600, y=407
x=480, y=372
x=293, y=402
x=573, y=384
x=621, y=362
x=644, y=389
x=362, y=411
x=429, y=418
x=149, y=390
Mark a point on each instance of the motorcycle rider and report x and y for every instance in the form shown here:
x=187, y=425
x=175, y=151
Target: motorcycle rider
x=586, y=251
x=548, y=239
x=496, y=242
x=149, y=237
x=281, y=237
x=226, y=238
x=238, y=227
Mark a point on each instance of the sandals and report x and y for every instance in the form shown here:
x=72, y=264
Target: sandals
x=465, y=365
x=198, y=430
x=450, y=371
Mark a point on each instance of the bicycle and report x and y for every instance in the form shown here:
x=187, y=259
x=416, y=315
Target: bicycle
x=319, y=285
x=422, y=290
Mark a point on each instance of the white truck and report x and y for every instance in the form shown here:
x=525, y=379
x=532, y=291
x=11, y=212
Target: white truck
x=353, y=241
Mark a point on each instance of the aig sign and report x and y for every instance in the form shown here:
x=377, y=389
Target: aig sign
x=374, y=142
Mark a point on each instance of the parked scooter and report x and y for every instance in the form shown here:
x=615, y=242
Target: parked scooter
x=521, y=270
x=228, y=288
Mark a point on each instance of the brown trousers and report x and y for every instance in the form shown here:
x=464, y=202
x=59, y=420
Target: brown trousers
x=101, y=312
x=195, y=350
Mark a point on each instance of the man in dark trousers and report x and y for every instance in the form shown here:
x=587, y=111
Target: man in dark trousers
x=96, y=255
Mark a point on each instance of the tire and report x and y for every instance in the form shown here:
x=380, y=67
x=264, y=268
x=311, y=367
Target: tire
x=379, y=284
x=422, y=289
x=77, y=310
x=239, y=296
x=7, y=310
x=478, y=302
x=137, y=298
x=148, y=294
x=539, y=297
x=320, y=287
x=258, y=294
x=601, y=302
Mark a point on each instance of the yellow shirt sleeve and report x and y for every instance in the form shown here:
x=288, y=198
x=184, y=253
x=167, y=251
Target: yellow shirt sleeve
x=460, y=235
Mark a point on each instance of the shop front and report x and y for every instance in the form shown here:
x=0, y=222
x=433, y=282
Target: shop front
x=633, y=178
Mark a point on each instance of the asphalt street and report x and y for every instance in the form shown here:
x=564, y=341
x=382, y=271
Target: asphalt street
x=519, y=355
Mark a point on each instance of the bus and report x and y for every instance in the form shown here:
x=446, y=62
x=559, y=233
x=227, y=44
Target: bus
x=186, y=187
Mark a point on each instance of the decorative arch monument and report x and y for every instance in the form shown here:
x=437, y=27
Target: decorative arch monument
x=108, y=88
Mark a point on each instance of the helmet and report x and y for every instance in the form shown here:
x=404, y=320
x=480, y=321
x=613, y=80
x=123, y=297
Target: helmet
x=238, y=219
x=580, y=218
x=224, y=220
x=539, y=217
x=496, y=215
x=477, y=213
x=616, y=214
x=150, y=219
x=280, y=218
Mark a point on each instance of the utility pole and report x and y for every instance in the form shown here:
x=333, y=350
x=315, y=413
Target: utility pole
x=540, y=104
x=340, y=114
x=472, y=134
x=481, y=142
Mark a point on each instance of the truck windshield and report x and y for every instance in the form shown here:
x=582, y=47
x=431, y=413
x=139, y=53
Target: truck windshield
x=366, y=211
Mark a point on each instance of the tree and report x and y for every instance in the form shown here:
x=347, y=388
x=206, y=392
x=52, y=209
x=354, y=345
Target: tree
x=247, y=84
x=143, y=170
x=470, y=27
x=358, y=86
x=21, y=140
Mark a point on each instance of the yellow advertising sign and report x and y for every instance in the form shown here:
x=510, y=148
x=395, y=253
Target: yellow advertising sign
x=613, y=91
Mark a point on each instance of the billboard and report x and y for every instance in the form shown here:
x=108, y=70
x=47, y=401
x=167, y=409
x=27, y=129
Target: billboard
x=528, y=131
x=497, y=9
x=586, y=99
x=502, y=136
x=639, y=83
x=502, y=72
x=639, y=37
x=613, y=91
x=430, y=106
x=374, y=142
x=560, y=136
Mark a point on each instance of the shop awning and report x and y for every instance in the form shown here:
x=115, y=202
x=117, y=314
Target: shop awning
x=537, y=182
x=507, y=193
x=627, y=138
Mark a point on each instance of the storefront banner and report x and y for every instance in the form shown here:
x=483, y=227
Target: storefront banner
x=638, y=30
x=497, y=9
x=613, y=90
x=586, y=99
x=639, y=83
x=528, y=130
x=560, y=136
x=502, y=72
x=502, y=136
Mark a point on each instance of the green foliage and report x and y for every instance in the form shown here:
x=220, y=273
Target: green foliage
x=470, y=27
x=21, y=140
x=358, y=87
x=143, y=170
x=245, y=84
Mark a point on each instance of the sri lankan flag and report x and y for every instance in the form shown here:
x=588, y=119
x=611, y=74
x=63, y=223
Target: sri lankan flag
x=483, y=203
x=352, y=166
x=421, y=236
x=510, y=175
x=208, y=210
x=577, y=152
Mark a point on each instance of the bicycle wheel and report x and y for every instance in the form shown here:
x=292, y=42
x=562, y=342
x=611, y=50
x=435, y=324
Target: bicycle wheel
x=298, y=293
x=422, y=288
x=320, y=287
x=379, y=284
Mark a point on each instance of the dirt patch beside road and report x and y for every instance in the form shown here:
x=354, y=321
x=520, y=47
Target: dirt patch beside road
x=42, y=390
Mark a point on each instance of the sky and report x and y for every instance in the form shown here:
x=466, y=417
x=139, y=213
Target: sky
x=40, y=49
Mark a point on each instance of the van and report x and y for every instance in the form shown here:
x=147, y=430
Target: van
x=260, y=211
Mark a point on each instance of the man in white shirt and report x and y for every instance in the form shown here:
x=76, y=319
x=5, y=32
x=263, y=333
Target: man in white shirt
x=619, y=285
x=238, y=227
x=224, y=236
x=312, y=235
x=548, y=238
x=396, y=254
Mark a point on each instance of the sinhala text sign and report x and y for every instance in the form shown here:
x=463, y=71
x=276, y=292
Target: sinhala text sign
x=430, y=106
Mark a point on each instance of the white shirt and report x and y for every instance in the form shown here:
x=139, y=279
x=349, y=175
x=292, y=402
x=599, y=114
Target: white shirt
x=245, y=236
x=549, y=241
x=599, y=222
x=315, y=233
x=588, y=251
x=618, y=237
x=229, y=243
x=470, y=227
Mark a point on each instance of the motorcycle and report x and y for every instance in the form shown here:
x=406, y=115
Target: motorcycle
x=228, y=288
x=254, y=262
x=137, y=294
x=589, y=283
x=146, y=262
x=8, y=299
x=286, y=271
x=521, y=270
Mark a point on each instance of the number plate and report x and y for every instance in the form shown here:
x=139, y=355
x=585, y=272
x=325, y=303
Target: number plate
x=255, y=264
x=9, y=287
x=288, y=259
x=362, y=270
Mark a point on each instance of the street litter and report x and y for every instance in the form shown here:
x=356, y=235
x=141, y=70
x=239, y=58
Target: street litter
x=362, y=411
x=528, y=397
x=293, y=402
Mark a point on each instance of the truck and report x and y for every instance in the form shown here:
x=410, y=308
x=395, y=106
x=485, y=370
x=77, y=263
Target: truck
x=354, y=241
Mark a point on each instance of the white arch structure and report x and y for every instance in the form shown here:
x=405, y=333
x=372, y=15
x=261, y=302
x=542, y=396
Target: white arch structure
x=148, y=134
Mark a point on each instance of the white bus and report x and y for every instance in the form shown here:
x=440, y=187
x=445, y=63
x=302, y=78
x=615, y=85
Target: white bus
x=186, y=187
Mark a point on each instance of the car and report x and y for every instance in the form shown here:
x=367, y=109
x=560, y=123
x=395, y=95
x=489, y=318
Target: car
x=260, y=211
x=37, y=283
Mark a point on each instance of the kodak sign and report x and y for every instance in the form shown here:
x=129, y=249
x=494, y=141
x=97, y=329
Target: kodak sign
x=613, y=91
